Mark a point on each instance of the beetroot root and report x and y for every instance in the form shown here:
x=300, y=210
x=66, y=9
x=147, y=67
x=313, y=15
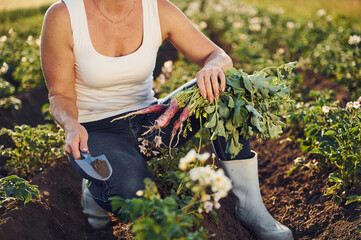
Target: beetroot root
x=159, y=108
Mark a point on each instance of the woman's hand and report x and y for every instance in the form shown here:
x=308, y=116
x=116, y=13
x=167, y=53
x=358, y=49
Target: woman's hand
x=210, y=80
x=76, y=140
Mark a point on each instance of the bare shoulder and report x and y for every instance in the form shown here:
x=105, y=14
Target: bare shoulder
x=57, y=22
x=168, y=11
x=170, y=16
x=57, y=12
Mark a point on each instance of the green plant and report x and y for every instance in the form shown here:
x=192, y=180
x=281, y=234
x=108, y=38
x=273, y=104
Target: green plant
x=333, y=138
x=13, y=186
x=35, y=148
x=20, y=68
x=175, y=211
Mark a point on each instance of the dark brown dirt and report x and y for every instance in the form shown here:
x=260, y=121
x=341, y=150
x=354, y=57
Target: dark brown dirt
x=101, y=167
x=297, y=201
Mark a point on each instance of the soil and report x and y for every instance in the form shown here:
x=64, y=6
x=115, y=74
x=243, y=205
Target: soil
x=101, y=167
x=298, y=200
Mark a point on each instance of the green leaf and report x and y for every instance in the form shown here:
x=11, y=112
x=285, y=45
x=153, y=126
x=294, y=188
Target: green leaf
x=223, y=110
x=212, y=121
x=231, y=71
x=215, y=215
x=353, y=198
x=255, y=122
x=254, y=111
x=331, y=189
x=220, y=131
x=230, y=102
x=210, y=109
x=335, y=177
x=247, y=82
x=316, y=151
x=330, y=133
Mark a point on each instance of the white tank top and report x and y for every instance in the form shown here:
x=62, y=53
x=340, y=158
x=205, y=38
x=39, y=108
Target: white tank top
x=107, y=86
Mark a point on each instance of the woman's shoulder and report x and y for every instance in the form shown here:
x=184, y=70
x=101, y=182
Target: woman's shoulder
x=170, y=16
x=57, y=12
x=57, y=24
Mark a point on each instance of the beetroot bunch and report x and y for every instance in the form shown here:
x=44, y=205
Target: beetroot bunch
x=248, y=106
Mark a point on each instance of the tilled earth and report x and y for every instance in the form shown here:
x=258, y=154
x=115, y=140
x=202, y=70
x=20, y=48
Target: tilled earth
x=297, y=201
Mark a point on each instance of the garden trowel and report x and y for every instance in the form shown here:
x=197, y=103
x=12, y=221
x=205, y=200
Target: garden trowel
x=94, y=169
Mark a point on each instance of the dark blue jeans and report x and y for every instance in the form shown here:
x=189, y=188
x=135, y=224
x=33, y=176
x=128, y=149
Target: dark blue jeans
x=118, y=140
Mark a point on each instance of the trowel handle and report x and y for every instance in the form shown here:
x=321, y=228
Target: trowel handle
x=85, y=155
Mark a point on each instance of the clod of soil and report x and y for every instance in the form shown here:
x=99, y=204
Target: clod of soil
x=101, y=167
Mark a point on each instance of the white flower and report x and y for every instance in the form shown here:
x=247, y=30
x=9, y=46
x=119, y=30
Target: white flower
x=329, y=18
x=38, y=41
x=30, y=40
x=321, y=13
x=216, y=197
x=208, y=206
x=4, y=68
x=349, y=105
x=310, y=24
x=237, y=25
x=356, y=104
x=145, y=142
x=290, y=25
x=142, y=149
x=158, y=141
x=280, y=51
x=139, y=193
x=242, y=36
x=217, y=205
x=221, y=183
x=11, y=31
x=203, y=157
x=24, y=59
x=155, y=153
x=3, y=38
x=203, y=25
x=255, y=27
x=359, y=99
x=188, y=158
x=354, y=40
x=254, y=20
x=168, y=66
x=201, y=174
x=325, y=109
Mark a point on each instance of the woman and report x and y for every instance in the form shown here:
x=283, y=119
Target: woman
x=98, y=57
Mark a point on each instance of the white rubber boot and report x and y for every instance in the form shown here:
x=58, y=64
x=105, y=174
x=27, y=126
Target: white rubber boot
x=250, y=209
x=97, y=216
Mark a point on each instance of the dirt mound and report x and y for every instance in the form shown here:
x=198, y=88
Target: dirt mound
x=297, y=201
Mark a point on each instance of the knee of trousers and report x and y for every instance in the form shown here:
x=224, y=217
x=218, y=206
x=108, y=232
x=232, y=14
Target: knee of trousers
x=127, y=189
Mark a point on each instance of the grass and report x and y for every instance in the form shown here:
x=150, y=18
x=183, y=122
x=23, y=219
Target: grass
x=17, y=4
x=303, y=9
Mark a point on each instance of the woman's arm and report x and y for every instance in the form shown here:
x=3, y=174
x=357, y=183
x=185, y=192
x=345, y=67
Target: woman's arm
x=196, y=47
x=57, y=61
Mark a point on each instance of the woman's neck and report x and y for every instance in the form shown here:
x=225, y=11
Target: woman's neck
x=114, y=7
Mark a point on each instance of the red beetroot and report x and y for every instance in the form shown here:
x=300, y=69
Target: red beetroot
x=184, y=115
x=164, y=119
x=176, y=126
x=159, y=108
